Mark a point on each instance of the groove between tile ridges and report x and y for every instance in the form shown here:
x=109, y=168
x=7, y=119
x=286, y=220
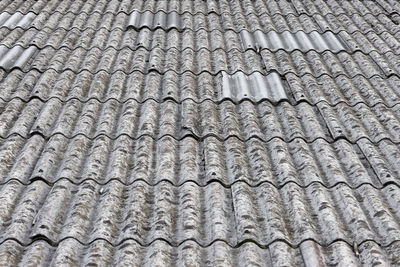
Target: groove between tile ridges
x=211, y=181
x=320, y=31
x=185, y=29
x=202, y=138
x=297, y=14
x=186, y=48
x=293, y=103
x=137, y=47
x=178, y=244
x=353, y=51
x=166, y=99
x=196, y=73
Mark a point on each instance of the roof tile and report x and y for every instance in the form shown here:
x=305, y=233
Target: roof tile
x=118, y=147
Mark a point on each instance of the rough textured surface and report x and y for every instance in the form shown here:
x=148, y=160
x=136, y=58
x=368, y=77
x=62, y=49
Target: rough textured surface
x=222, y=120
x=211, y=160
x=192, y=142
x=264, y=214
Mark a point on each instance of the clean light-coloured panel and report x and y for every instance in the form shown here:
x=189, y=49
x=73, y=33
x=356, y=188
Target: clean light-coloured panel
x=255, y=86
x=292, y=41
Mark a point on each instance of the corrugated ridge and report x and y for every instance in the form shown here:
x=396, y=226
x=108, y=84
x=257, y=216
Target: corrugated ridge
x=244, y=120
x=141, y=60
x=149, y=244
x=251, y=24
x=201, y=161
x=162, y=181
x=70, y=251
x=250, y=9
x=328, y=25
x=275, y=103
x=194, y=49
x=328, y=139
x=42, y=70
x=47, y=224
x=166, y=30
x=219, y=12
x=366, y=45
x=178, y=101
x=187, y=71
x=336, y=7
x=194, y=14
x=139, y=87
x=187, y=48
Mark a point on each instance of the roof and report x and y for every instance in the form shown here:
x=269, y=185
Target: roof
x=200, y=133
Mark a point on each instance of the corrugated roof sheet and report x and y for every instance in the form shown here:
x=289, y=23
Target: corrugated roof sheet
x=178, y=161
x=265, y=214
x=255, y=87
x=148, y=19
x=124, y=146
x=288, y=41
x=16, y=20
x=258, y=7
x=15, y=57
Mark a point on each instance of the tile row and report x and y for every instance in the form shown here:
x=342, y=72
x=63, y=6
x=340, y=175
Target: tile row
x=228, y=162
x=131, y=253
x=346, y=7
x=331, y=64
x=104, y=38
x=384, y=25
x=257, y=7
x=228, y=40
x=244, y=120
x=112, y=60
x=140, y=87
x=264, y=214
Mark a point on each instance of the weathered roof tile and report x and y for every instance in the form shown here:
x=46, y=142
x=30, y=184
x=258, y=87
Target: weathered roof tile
x=140, y=145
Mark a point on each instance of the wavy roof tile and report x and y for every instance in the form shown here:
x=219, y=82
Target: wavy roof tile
x=229, y=138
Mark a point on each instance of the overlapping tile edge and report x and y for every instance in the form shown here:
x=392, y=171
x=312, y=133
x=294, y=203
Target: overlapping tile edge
x=115, y=212
x=385, y=37
x=382, y=44
x=161, y=87
x=271, y=8
x=350, y=250
x=210, y=160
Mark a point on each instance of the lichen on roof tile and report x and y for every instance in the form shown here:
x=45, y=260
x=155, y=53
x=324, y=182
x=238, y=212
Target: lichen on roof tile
x=199, y=133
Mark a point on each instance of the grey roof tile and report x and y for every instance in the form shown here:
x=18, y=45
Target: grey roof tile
x=327, y=63
x=104, y=86
x=159, y=87
x=94, y=30
x=311, y=7
x=127, y=60
x=187, y=39
x=205, y=214
x=257, y=7
x=118, y=148
x=255, y=87
x=16, y=20
x=343, y=89
x=179, y=161
x=360, y=121
x=243, y=120
x=289, y=42
x=131, y=118
x=15, y=57
x=131, y=253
